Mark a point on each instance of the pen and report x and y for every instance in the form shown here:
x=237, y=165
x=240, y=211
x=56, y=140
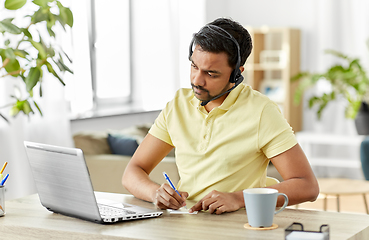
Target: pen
x=4, y=180
x=171, y=184
x=2, y=170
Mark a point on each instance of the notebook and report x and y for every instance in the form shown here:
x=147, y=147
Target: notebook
x=64, y=186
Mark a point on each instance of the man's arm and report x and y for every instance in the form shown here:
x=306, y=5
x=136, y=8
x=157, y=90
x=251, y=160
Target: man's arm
x=299, y=184
x=136, y=175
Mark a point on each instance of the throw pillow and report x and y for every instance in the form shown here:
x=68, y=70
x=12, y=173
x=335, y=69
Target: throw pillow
x=92, y=142
x=122, y=145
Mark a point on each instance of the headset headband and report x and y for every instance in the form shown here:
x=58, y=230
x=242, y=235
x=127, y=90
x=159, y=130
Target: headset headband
x=236, y=73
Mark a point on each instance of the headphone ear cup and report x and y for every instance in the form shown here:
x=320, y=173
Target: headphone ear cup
x=239, y=79
x=236, y=76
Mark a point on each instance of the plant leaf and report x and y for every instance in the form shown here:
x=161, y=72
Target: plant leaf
x=51, y=20
x=14, y=4
x=65, y=67
x=9, y=53
x=59, y=65
x=42, y=3
x=14, y=111
x=52, y=71
x=69, y=59
x=299, y=76
x=4, y=118
x=38, y=108
x=8, y=20
x=20, y=53
x=44, y=47
x=40, y=48
x=336, y=53
x=61, y=21
x=13, y=66
x=26, y=33
x=32, y=78
x=26, y=108
x=51, y=32
x=6, y=26
x=67, y=16
x=40, y=15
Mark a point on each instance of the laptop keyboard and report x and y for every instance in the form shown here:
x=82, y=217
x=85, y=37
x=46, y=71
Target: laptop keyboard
x=113, y=211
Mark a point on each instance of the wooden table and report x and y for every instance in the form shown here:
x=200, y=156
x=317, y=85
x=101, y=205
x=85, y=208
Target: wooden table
x=342, y=186
x=26, y=219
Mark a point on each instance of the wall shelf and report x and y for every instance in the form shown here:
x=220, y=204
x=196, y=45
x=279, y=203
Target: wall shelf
x=276, y=55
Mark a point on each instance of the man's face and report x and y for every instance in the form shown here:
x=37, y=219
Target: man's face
x=210, y=74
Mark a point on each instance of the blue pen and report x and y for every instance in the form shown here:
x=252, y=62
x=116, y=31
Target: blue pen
x=4, y=180
x=171, y=184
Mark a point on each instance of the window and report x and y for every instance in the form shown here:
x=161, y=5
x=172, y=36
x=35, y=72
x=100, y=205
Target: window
x=130, y=56
x=110, y=51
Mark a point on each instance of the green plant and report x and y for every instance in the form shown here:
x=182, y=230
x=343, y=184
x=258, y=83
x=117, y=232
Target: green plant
x=348, y=80
x=25, y=53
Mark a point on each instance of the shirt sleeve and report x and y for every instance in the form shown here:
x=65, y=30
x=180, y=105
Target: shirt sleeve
x=275, y=133
x=160, y=128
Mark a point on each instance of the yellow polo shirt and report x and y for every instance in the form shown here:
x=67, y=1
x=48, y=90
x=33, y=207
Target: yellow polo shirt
x=227, y=149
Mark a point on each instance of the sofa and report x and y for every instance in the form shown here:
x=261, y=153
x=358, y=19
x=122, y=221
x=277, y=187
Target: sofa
x=107, y=159
x=107, y=154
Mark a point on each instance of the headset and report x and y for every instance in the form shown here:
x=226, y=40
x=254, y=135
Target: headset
x=236, y=76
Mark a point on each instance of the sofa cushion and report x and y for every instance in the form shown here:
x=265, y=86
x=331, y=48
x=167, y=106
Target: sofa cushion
x=92, y=142
x=137, y=132
x=122, y=145
x=106, y=171
x=96, y=142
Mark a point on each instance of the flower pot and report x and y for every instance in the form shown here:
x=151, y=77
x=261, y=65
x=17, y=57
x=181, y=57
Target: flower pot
x=362, y=120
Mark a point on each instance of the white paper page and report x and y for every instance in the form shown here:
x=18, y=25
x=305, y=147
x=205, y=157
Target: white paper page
x=181, y=211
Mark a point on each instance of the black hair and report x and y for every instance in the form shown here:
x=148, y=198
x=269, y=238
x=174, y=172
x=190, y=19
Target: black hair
x=216, y=41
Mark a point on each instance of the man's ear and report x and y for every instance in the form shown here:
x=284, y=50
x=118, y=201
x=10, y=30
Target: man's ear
x=242, y=68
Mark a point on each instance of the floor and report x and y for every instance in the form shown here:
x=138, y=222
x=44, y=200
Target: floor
x=348, y=204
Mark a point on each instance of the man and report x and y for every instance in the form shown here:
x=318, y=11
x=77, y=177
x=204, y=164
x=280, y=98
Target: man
x=224, y=134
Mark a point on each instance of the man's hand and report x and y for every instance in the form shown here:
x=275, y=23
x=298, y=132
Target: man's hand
x=219, y=202
x=166, y=198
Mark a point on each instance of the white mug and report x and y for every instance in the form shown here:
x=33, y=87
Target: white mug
x=260, y=204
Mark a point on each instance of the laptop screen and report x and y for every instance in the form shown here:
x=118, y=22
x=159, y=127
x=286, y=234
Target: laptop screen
x=62, y=180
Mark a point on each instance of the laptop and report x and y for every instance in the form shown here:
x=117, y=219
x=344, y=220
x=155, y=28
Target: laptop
x=64, y=186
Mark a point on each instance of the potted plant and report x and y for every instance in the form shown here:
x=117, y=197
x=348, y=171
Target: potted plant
x=25, y=53
x=348, y=80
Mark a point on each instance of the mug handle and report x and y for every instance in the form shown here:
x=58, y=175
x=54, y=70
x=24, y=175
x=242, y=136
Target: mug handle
x=285, y=202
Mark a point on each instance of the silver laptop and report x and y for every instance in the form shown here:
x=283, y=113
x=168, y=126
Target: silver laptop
x=64, y=186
